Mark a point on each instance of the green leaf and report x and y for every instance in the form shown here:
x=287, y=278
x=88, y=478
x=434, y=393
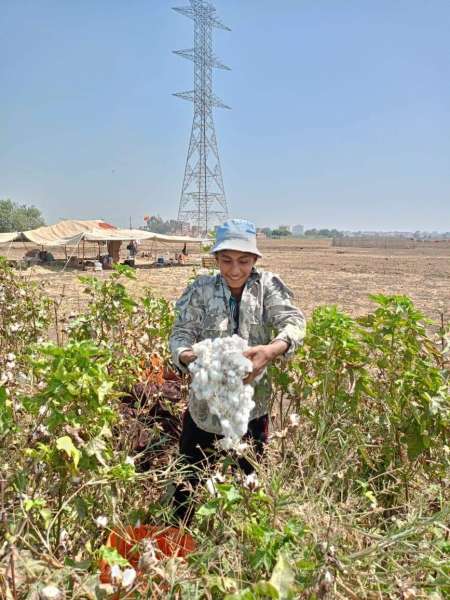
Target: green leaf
x=81, y=507
x=82, y=565
x=29, y=504
x=414, y=441
x=221, y=583
x=306, y=564
x=265, y=589
x=103, y=390
x=229, y=493
x=96, y=447
x=65, y=444
x=6, y=415
x=245, y=594
x=46, y=515
x=123, y=472
x=283, y=578
x=112, y=557
x=209, y=509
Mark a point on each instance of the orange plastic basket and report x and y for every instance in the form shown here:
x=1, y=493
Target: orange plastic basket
x=170, y=541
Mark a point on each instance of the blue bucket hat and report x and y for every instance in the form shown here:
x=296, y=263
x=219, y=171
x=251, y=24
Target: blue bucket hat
x=236, y=234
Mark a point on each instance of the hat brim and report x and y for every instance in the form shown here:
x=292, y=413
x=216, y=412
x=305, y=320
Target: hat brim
x=238, y=245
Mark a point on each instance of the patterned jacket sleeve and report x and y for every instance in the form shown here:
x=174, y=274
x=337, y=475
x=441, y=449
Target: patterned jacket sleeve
x=188, y=323
x=288, y=321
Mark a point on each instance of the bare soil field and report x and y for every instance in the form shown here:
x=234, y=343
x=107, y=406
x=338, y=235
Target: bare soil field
x=317, y=273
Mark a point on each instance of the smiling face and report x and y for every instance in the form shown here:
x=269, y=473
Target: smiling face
x=235, y=267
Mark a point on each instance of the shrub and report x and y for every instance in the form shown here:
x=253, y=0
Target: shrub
x=373, y=388
x=136, y=332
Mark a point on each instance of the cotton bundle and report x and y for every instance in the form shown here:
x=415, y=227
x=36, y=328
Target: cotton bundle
x=217, y=377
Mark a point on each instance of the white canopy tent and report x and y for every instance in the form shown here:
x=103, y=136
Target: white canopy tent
x=125, y=235
x=7, y=238
x=71, y=233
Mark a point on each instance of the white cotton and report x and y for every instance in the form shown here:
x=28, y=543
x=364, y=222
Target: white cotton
x=101, y=521
x=294, y=420
x=116, y=575
x=209, y=484
x=128, y=577
x=217, y=378
x=251, y=482
x=51, y=592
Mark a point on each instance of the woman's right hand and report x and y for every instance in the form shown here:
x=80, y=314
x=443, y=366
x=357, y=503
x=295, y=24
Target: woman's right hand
x=187, y=357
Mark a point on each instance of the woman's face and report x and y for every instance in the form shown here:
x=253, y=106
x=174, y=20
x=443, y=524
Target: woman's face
x=235, y=267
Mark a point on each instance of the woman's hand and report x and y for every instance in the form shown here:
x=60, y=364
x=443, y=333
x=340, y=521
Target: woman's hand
x=262, y=355
x=187, y=357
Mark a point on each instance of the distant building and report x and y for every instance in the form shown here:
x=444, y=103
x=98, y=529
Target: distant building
x=298, y=230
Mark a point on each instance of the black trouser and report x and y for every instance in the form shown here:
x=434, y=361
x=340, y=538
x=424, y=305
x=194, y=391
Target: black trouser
x=197, y=449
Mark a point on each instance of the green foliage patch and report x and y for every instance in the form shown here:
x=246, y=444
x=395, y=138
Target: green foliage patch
x=15, y=217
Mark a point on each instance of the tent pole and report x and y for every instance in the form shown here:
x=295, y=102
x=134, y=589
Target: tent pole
x=72, y=254
x=9, y=249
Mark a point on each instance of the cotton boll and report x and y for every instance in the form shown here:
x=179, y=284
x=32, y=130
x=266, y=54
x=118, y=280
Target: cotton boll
x=51, y=592
x=294, y=420
x=209, y=484
x=251, y=481
x=227, y=443
x=116, y=575
x=101, y=521
x=129, y=575
x=218, y=375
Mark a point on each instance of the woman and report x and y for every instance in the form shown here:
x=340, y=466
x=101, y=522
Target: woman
x=241, y=300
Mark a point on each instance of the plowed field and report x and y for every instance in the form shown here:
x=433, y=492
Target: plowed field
x=317, y=272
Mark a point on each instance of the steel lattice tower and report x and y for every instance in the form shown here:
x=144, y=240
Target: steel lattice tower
x=202, y=201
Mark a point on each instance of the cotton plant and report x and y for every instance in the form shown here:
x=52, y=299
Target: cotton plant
x=217, y=378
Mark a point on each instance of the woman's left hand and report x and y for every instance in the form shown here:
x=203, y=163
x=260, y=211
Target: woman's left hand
x=261, y=356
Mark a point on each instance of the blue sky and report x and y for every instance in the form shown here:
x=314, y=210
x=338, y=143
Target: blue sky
x=340, y=110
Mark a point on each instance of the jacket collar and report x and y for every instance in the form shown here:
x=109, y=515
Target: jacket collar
x=248, y=305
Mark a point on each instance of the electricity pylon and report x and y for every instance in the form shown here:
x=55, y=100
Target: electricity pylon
x=203, y=202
